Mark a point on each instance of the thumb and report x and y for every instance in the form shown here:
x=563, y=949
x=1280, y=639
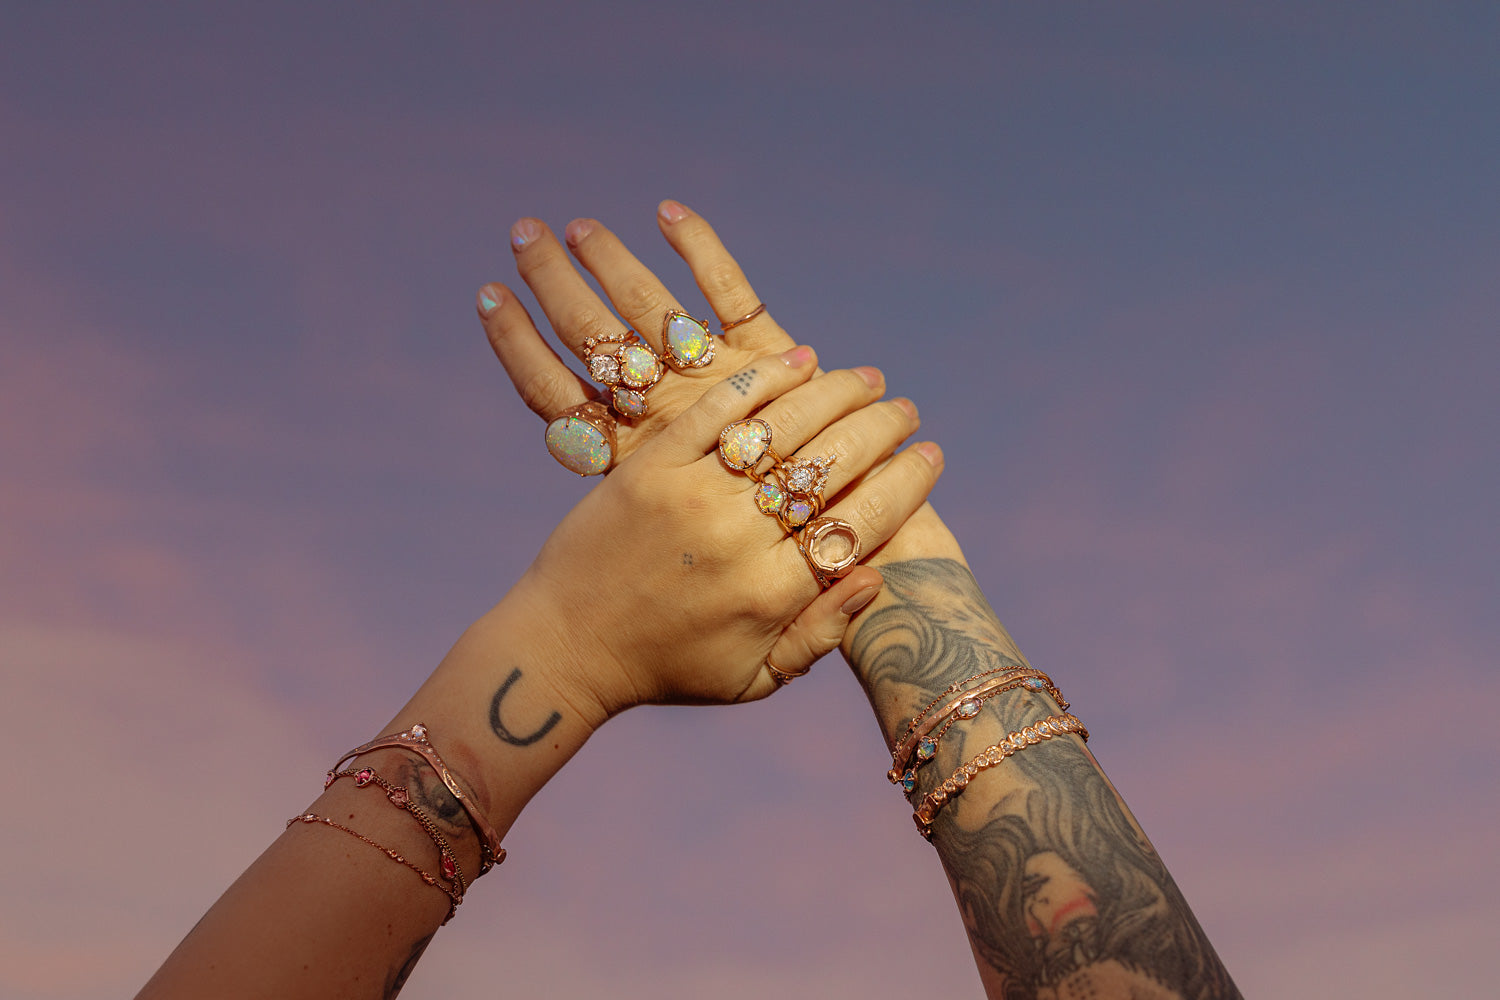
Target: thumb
x=817, y=630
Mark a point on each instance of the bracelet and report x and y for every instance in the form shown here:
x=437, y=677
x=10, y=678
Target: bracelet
x=415, y=740
x=967, y=708
x=1045, y=729
x=400, y=797
x=966, y=705
x=454, y=897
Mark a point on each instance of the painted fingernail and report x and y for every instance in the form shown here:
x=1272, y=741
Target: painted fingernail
x=909, y=407
x=672, y=211
x=490, y=297
x=797, y=356
x=523, y=232
x=932, y=453
x=577, y=230
x=872, y=376
x=859, y=600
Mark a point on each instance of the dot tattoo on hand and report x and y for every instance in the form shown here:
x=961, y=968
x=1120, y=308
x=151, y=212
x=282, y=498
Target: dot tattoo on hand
x=742, y=381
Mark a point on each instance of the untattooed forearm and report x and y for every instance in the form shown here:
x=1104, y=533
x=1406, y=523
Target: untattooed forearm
x=1060, y=891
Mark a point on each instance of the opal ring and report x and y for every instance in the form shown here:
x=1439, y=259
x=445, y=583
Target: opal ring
x=813, y=540
x=628, y=371
x=744, y=443
x=726, y=327
x=686, y=341
x=583, y=439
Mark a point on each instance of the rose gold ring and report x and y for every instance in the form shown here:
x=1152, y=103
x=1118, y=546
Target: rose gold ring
x=811, y=542
x=629, y=371
x=686, y=342
x=801, y=482
x=784, y=677
x=726, y=327
x=744, y=444
x=582, y=439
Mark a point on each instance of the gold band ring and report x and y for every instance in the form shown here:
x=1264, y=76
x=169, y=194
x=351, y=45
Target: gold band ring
x=726, y=327
x=783, y=677
x=811, y=540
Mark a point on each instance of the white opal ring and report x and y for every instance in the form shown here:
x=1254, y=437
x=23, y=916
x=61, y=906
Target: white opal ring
x=628, y=371
x=583, y=439
x=686, y=341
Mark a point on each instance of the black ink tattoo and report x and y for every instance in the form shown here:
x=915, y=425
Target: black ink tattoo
x=1061, y=892
x=502, y=731
x=400, y=974
x=743, y=380
x=687, y=558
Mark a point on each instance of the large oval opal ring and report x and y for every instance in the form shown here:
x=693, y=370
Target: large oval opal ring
x=744, y=443
x=583, y=439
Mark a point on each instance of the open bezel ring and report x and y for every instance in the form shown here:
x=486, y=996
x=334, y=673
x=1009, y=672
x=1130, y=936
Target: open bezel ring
x=810, y=543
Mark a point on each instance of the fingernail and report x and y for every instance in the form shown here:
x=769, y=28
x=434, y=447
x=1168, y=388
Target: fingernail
x=932, y=453
x=797, y=356
x=577, y=230
x=859, y=600
x=672, y=211
x=909, y=407
x=523, y=232
x=490, y=297
x=872, y=376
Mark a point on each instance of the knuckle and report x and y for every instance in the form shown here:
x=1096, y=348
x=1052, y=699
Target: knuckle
x=582, y=321
x=720, y=278
x=545, y=392
x=874, y=508
x=638, y=297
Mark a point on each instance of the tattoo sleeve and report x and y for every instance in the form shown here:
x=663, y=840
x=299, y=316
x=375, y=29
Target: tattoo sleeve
x=1061, y=893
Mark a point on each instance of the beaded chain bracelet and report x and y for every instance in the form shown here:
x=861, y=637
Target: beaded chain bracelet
x=400, y=797
x=917, y=740
x=454, y=896
x=1044, y=729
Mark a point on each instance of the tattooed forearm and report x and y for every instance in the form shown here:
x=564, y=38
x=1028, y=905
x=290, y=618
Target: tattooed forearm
x=503, y=731
x=1061, y=892
x=398, y=976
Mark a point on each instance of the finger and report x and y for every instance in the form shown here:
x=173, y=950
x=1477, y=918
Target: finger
x=884, y=500
x=695, y=432
x=636, y=293
x=720, y=278
x=862, y=440
x=817, y=631
x=803, y=413
x=544, y=382
x=571, y=307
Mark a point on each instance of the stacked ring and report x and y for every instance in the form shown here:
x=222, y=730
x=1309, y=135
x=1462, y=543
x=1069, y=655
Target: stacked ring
x=791, y=491
x=783, y=677
x=582, y=439
x=628, y=371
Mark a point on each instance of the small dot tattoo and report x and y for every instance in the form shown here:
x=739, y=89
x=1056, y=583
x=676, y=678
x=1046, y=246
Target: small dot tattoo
x=687, y=558
x=742, y=381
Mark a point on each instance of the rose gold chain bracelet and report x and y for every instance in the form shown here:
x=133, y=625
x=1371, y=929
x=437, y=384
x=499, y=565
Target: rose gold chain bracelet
x=968, y=708
x=454, y=896
x=415, y=740
x=400, y=797
x=1044, y=729
x=964, y=704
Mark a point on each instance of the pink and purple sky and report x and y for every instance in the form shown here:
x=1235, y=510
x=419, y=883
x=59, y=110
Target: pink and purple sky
x=1201, y=302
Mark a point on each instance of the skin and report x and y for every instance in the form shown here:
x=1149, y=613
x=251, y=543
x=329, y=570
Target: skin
x=1060, y=892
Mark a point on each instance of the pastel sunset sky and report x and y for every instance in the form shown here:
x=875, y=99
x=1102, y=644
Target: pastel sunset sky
x=1200, y=299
